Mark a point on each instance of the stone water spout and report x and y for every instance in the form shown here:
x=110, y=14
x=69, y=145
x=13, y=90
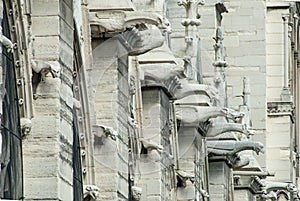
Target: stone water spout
x=231, y=147
x=196, y=114
x=216, y=128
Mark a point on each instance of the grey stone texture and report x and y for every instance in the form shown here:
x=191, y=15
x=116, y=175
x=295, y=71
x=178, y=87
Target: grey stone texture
x=109, y=86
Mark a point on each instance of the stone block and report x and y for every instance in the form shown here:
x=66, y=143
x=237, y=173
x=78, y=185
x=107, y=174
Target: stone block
x=45, y=25
x=45, y=7
x=46, y=48
x=65, y=30
x=41, y=188
x=66, y=54
x=66, y=12
x=36, y=167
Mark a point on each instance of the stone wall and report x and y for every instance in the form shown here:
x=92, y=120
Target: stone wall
x=48, y=149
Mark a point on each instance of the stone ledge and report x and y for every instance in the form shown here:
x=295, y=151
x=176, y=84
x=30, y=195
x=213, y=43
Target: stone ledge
x=280, y=108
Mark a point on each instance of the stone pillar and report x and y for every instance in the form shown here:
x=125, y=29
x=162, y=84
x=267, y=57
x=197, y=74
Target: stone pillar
x=48, y=149
x=220, y=180
x=155, y=131
x=110, y=98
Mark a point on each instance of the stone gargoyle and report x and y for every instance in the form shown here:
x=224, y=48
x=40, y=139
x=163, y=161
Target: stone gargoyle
x=270, y=186
x=214, y=128
x=231, y=147
x=188, y=89
x=109, y=132
x=149, y=145
x=141, y=41
x=153, y=73
x=25, y=126
x=240, y=161
x=184, y=176
x=43, y=68
x=6, y=43
x=90, y=192
x=196, y=114
x=136, y=193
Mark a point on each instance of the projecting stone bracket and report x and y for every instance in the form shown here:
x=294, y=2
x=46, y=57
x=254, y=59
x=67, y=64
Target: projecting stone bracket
x=141, y=41
x=119, y=21
x=165, y=76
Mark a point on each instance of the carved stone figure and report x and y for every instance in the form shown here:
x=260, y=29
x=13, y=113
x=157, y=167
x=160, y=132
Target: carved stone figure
x=187, y=89
x=160, y=73
x=6, y=43
x=230, y=147
x=43, y=68
x=136, y=193
x=90, y=192
x=110, y=132
x=118, y=21
x=147, y=144
x=25, y=126
x=240, y=161
x=216, y=128
x=196, y=114
x=219, y=49
x=184, y=176
x=141, y=41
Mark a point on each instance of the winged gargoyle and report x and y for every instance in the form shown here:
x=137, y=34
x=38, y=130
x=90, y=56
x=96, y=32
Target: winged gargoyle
x=196, y=114
x=231, y=147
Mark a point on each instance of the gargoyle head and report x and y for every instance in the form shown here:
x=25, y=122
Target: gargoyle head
x=90, y=191
x=258, y=147
x=233, y=114
x=136, y=193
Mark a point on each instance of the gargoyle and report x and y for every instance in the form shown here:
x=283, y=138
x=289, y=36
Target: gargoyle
x=231, y=147
x=136, y=193
x=43, y=68
x=139, y=42
x=6, y=43
x=273, y=186
x=217, y=128
x=196, y=114
x=268, y=196
x=187, y=89
x=183, y=176
x=147, y=144
x=90, y=192
x=159, y=74
x=240, y=161
x=110, y=132
x=25, y=126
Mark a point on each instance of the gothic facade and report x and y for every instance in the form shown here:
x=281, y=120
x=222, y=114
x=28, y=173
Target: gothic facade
x=150, y=100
